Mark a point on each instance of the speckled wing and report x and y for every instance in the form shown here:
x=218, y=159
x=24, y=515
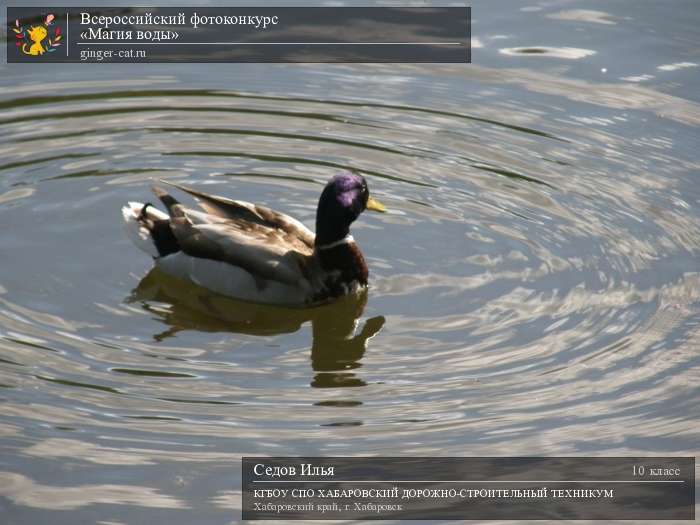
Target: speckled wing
x=235, y=210
x=263, y=252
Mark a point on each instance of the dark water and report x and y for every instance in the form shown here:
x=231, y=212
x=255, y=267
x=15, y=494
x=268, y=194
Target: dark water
x=535, y=288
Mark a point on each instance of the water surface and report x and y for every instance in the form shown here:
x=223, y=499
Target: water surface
x=534, y=287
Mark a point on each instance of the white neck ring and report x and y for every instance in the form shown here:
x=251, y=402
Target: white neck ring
x=345, y=240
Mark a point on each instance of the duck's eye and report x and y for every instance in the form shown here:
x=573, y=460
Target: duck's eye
x=365, y=194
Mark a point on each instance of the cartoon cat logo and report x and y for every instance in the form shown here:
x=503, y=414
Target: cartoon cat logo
x=36, y=35
x=35, y=40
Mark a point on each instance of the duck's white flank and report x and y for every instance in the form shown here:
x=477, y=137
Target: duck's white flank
x=232, y=280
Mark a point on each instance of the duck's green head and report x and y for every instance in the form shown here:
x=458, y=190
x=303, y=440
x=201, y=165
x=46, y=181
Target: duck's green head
x=343, y=199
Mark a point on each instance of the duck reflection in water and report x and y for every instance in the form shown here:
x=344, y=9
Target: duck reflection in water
x=337, y=346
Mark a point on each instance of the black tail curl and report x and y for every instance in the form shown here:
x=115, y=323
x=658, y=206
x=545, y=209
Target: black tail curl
x=160, y=231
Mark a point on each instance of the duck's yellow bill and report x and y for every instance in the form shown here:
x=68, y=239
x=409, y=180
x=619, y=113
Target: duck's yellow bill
x=375, y=205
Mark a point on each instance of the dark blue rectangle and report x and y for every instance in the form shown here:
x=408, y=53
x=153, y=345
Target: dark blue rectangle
x=238, y=34
x=505, y=488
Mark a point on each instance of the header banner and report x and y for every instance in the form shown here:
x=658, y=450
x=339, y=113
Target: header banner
x=238, y=34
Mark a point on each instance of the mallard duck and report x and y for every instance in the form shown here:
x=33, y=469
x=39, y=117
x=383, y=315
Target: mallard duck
x=253, y=253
